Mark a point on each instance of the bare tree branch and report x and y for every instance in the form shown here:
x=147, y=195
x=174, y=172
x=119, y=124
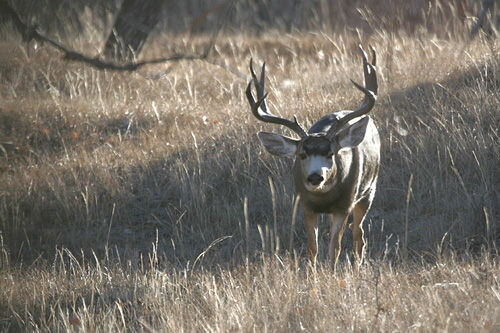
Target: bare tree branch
x=33, y=32
x=101, y=64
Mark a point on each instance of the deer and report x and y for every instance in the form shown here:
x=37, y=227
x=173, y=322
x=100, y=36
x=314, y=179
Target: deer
x=336, y=163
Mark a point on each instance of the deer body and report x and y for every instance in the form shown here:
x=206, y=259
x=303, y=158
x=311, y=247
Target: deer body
x=336, y=163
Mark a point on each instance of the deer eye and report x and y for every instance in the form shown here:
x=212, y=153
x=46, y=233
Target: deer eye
x=302, y=156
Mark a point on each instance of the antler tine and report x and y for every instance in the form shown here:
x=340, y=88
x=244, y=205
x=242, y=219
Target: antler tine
x=370, y=91
x=370, y=75
x=259, y=108
x=374, y=56
x=259, y=84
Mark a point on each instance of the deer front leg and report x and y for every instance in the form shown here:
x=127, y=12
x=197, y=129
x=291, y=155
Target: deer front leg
x=337, y=227
x=359, y=213
x=311, y=221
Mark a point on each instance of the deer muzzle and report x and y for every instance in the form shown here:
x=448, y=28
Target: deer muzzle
x=315, y=179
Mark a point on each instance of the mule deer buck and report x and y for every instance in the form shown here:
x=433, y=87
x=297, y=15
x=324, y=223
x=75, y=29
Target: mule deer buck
x=336, y=162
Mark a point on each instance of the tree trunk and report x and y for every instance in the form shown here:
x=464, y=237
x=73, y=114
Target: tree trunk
x=136, y=19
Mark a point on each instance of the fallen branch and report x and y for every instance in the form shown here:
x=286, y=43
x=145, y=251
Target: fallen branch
x=33, y=32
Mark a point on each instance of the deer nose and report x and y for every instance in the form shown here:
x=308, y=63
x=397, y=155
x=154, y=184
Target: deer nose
x=315, y=179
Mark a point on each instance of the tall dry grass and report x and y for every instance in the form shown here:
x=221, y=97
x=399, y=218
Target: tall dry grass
x=129, y=203
x=266, y=295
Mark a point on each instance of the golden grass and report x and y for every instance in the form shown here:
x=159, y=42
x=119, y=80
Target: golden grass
x=269, y=294
x=121, y=197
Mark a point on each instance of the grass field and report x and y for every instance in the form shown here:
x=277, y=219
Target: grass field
x=133, y=203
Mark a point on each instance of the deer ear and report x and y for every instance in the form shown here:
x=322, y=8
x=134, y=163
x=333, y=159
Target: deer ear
x=353, y=133
x=278, y=144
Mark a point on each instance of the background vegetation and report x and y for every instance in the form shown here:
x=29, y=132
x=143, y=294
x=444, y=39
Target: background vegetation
x=143, y=200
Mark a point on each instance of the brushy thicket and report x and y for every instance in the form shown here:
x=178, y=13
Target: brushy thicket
x=135, y=203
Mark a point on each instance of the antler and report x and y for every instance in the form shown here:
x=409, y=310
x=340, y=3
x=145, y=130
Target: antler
x=259, y=108
x=370, y=90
